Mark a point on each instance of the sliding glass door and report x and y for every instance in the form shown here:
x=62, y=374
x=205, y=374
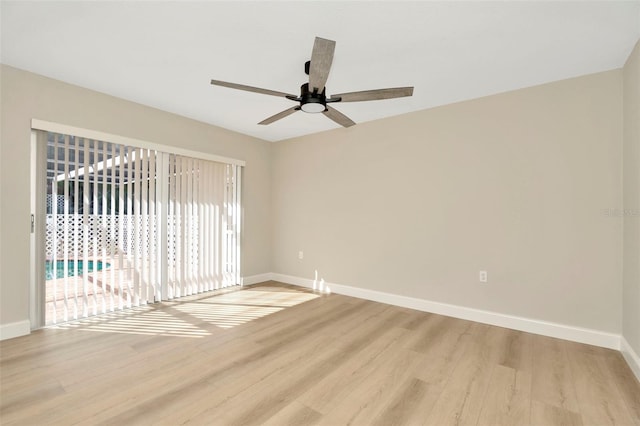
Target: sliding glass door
x=127, y=226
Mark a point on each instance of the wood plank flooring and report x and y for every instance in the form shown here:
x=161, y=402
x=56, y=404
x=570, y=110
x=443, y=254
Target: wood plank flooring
x=279, y=355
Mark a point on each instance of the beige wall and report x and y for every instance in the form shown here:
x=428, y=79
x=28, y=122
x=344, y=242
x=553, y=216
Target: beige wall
x=26, y=96
x=516, y=184
x=631, y=182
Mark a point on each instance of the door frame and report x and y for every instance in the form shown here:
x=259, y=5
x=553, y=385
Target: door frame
x=38, y=169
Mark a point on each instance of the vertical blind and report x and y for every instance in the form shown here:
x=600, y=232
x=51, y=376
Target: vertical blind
x=203, y=218
x=128, y=226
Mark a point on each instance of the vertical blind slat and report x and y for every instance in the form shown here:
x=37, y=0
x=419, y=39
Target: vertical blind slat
x=112, y=225
x=65, y=265
x=129, y=218
x=85, y=232
x=121, y=218
x=76, y=189
x=171, y=230
x=136, y=228
x=206, y=215
x=54, y=243
x=102, y=230
x=144, y=231
x=183, y=263
x=153, y=236
x=190, y=226
x=94, y=214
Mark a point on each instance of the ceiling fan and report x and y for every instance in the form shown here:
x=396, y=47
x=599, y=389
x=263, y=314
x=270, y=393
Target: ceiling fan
x=313, y=97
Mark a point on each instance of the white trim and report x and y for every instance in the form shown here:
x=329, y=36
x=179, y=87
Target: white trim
x=37, y=236
x=237, y=222
x=123, y=140
x=630, y=356
x=34, y=300
x=545, y=328
x=290, y=279
x=15, y=329
x=255, y=279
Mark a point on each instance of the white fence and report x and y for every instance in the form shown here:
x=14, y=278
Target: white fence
x=103, y=234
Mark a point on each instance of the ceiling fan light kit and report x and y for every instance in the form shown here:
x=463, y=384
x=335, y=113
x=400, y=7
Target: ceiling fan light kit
x=313, y=107
x=313, y=97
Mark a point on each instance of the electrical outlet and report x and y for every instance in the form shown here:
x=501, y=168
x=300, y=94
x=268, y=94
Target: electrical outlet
x=483, y=276
x=300, y=255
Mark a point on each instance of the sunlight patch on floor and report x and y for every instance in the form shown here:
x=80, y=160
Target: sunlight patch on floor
x=263, y=297
x=144, y=321
x=225, y=311
x=232, y=309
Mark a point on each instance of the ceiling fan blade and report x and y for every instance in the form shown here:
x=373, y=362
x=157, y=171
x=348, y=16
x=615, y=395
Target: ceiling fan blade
x=279, y=115
x=374, y=95
x=321, y=59
x=338, y=117
x=250, y=88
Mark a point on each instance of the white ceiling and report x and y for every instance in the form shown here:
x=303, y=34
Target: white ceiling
x=164, y=54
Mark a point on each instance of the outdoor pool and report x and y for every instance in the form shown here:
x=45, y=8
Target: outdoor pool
x=74, y=267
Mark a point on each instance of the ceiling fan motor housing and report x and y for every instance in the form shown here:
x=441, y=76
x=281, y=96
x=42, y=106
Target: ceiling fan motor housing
x=312, y=101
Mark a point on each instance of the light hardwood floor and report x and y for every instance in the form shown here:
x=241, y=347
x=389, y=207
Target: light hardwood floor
x=279, y=355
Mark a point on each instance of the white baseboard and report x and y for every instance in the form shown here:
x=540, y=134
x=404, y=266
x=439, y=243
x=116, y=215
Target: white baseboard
x=545, y=328
x=290, y=279
x=15, y=329
x=631, y=357
x=255, y=279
